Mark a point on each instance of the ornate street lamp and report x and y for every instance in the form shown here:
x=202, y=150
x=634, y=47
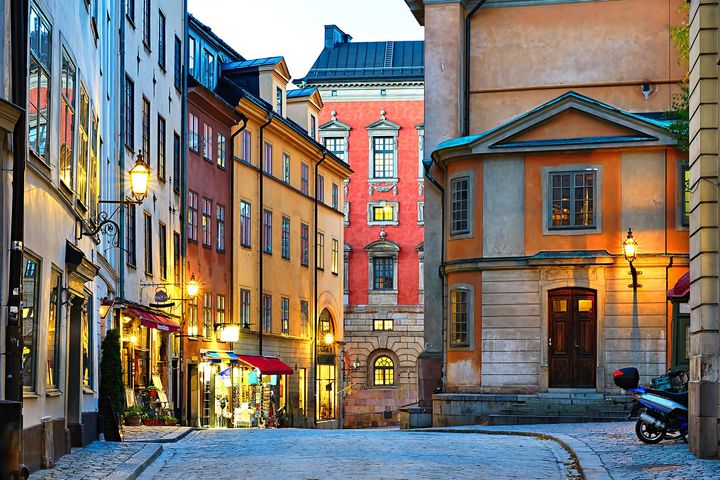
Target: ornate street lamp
x=193, y=287
x=630, y=247
x=329, y=338
x=139, y=179
x=229, y=332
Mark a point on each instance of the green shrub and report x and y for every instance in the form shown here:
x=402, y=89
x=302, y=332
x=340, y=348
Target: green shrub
x=111, y=376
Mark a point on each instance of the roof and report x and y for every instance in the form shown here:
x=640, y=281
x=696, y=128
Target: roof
x=368, y=61
x=255, y=62
x=301, y=92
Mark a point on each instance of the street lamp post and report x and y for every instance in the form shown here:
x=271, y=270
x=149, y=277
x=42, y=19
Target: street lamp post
x=630, y=247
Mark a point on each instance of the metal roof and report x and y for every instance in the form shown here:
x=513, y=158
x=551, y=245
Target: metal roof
x=255, y=62
x=368, y=61
x=301, y=92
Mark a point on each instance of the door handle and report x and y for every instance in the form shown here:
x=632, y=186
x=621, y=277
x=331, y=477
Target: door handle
x=577, y=346
x=550, y=341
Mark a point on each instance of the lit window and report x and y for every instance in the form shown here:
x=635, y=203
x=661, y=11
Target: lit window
x=335, y=256
x=382, y=324
x=685, y=194
x=572, y=198
x=383, y=371
x=383, y=214
x=459, y=318
x=40, y=61
x=320, y=251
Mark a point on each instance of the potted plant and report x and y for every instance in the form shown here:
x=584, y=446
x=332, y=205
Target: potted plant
x=133, y=415
x=172, y=421
x=152, y=391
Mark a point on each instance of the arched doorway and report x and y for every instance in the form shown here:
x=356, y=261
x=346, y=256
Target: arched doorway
x=572, y=338
x=326, y=382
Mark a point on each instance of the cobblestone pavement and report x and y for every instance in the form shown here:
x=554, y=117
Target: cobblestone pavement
x=149, y=434
x=97, y=460
x=627, y=458
x=349, y=454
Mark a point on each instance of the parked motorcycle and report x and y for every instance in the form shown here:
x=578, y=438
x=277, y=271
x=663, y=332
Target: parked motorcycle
x=663, y=414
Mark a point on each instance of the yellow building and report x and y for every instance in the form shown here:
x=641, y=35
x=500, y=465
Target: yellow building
x=286, y=239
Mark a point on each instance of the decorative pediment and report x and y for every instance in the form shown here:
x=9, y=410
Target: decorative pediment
x=569, y=122
x=383, y=124
x=334, y=125
x=382, y=245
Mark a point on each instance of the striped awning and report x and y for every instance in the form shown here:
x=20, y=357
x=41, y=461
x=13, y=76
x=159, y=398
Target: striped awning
x=219, y=356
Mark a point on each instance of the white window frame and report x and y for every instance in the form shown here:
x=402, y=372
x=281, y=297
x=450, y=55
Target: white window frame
x=383, y=203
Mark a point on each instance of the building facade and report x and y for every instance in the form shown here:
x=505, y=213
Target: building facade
x=540, y=171
x=373, y=119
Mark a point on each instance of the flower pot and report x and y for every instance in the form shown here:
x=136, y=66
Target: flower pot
x=163, y=423
x=133, y=421
x=154, y=422
x=146, y=422
x=152, y=393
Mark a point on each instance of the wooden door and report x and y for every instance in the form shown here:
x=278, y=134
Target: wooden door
x=572, y=338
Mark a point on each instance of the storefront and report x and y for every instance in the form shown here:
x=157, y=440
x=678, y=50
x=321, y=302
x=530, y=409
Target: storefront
x=327, y=387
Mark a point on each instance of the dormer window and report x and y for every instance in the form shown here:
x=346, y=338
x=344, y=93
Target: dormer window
x=313, y=127
x=279, y=100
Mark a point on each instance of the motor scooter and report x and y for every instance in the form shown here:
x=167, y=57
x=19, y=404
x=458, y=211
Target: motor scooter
x=662, y=414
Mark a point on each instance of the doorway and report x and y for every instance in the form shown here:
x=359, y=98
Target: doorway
x=572, y=337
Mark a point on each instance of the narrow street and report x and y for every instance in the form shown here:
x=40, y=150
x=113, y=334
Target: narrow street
x=386, y=454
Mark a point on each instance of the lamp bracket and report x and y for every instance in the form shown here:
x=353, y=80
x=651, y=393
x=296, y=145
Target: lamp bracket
x=103, y=224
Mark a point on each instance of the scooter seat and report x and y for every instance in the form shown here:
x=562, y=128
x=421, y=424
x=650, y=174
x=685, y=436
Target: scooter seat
x=681, y=398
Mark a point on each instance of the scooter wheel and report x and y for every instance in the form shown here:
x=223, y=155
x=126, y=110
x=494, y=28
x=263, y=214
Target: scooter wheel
x=647, y=433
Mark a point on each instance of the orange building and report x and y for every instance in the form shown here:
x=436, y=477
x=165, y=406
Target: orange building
x=546, y=142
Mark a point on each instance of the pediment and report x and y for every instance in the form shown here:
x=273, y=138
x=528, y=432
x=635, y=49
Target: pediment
x=335, y=125
x=383, y=124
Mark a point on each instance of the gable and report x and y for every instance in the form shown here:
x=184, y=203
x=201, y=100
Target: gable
x=572, y=124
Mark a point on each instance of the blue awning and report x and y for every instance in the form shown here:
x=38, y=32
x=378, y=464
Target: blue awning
x=220, y=357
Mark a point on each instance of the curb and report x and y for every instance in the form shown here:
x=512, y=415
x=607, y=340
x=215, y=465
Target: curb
x=588, y=462
x=132, y=468
x=173, y=439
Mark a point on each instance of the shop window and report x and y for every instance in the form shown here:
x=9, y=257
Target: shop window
x=30, y=303
x=52, y=379
x=87, y=346
x=383, y=372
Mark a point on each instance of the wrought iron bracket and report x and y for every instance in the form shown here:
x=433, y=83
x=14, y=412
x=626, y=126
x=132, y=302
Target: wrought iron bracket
x=103, y=224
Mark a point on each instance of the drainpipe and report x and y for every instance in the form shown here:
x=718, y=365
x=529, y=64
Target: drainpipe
x=466, y=89
x=231, y=206
x=121, y=177
x=315, y=279
x=441, y=270
x=183, y=212
x=261, y=178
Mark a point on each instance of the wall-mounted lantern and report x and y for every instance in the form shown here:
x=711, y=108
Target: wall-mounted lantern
x=630, y=249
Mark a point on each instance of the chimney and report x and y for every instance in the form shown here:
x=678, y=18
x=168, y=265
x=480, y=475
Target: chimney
x=333, y=35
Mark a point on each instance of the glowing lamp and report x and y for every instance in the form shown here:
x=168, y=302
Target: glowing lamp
x=105, y=306
x=133, y=339
x=329, y=338
x=193, y=287
x=139, y=179
x=630, y=247
x=230, y=333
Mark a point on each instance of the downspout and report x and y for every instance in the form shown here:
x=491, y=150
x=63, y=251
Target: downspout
x=261, y=180
x=315, y=280
x=441, y=270
x=231, y=208
x=120, y=170
x=466, y=86
x=13, y=334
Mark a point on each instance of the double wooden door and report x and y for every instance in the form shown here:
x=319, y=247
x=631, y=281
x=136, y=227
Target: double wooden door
x=572, y=338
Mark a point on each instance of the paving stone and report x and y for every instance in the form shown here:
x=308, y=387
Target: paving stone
x=97, y=460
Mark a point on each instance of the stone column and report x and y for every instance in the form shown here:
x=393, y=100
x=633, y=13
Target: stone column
x=704, y=321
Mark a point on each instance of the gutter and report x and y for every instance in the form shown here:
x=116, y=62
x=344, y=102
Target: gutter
x=315, y=278
x=261, y=193
x=466, y=86
x=181, y=396
x=231, y=206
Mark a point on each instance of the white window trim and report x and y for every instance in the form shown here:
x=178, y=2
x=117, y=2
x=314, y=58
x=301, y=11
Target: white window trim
x=383, y=203
x=421, y=208
x=382, y=131
x=598, y=200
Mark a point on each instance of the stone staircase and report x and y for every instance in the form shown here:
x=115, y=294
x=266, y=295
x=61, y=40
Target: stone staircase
x=563, y=407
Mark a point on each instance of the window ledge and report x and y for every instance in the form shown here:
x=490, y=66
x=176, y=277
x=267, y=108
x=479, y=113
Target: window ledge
x=88, y=391
x=383, y=180
x=30, y=395
x=382, y=224
x=53, y=393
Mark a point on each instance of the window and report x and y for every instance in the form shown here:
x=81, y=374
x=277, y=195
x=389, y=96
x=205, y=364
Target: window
x=193, y=133
x=82, y=161
x=286, y=238
x=176, y=162
x=162, y=245
x=146, y=23
x=383, y=155
x=161, y=40
x=146, y=130
x=93, y=175
x=220, y=218
x=421, y=153
x=193, y=317
x=30, y=319
x=313, y=127
x=383, y=371
x=384, y=324
x=245, y=307
x=39, y=84
x=131, y=240
x=207, y=141
x=220, y=309
x=346, y=272
x=336, y=146
x=685, y=194
x=267, y=160
x=191, y=56
x=421, y=213
x=192, y=216
x=53, y=331
x=320, y=188
x=460, y=222
x=320, y=249
x=207, y=222
x=335, y=195
x=161, y=148
x=267, y=313
x=304, y=239
x=246, y=147
x=130, y=9
x=304, y=330
x=208, y=69
x=284, y=316
x=245, y=238
x=302, y=390
x=221, y=150
x=383, y=273
x=148, y=245
x=67, y=119
x=87, y=346
x=178, y=64
x=279, y=100
x=335, y=256
x=304, y=175
x=346, y=213
x=207, y=315
x=459, y=318
x=129, y=113
x=286, y=168
x=382, y=213
x=176, y=256
x=267, y=232
x=572, y=199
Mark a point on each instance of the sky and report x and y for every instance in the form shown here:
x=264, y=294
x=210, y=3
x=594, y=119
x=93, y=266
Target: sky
x=294, y=29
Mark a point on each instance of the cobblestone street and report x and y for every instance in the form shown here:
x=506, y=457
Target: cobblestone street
x=366, y=454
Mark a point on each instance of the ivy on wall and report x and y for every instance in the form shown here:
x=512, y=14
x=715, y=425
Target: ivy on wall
x=679, y=111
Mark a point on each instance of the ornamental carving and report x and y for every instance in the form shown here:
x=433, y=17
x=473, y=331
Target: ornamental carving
x=382, y=187
x=346, y=188
x=421, y=188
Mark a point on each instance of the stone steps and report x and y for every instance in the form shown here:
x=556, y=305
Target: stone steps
x=500, y=419
x=562, y=407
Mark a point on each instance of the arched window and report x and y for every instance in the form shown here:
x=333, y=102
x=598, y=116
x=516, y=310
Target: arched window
x=383, y=371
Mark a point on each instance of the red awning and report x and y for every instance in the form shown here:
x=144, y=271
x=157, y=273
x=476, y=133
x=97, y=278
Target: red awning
x=155, y=320
x=267, y=365
x=681, y=288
